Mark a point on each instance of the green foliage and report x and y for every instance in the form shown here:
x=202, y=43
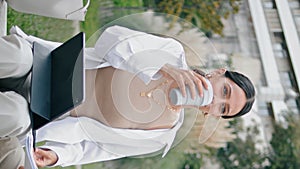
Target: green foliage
x=126, y=3
x=173, y=160
x=206, y=14
x=43, y=27
x=192, y=161
x=286, y=144
x=92, y=21
x=283, y=153
x=241, y=153
x=102, y=12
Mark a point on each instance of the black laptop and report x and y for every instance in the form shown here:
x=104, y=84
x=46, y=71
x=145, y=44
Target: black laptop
x=57, y=83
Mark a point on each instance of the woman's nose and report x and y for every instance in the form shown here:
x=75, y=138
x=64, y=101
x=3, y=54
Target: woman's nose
x=218, y=100
x=214, y=106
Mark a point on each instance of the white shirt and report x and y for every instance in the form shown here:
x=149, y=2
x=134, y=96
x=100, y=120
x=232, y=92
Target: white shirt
x=83, y=140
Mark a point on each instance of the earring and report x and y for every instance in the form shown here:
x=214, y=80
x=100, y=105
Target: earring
x=208, y=75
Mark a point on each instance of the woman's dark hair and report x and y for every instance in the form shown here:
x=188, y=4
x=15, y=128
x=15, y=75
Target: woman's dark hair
x=247, y=86
x=244, y=83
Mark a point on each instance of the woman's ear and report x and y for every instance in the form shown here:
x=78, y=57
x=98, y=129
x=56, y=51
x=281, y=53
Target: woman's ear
x=220, y=71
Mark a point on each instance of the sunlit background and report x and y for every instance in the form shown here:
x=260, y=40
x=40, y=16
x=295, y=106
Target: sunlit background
x=257, y=37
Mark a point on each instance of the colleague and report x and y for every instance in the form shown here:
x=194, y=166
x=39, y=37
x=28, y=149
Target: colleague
x=11, y=153
x=127, y=111
x=14, y=117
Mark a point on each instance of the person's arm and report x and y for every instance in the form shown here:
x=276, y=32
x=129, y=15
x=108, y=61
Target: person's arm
x=61, y=154
x=181, y=78
x=138, y=52
x=148, y=57
x=71, y=142
x=45, y=157
x=31, y=39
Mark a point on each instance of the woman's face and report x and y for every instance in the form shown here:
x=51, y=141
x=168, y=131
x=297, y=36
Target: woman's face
x=228, y=98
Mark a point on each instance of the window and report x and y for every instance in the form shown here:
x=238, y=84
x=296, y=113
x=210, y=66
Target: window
x=292, y=105
x=269, y=4
x=279, y=37
x=294, y=4
x=264, y=108
x=285, y=79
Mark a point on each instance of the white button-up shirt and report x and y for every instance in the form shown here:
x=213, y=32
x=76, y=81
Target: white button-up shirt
x=83, y=140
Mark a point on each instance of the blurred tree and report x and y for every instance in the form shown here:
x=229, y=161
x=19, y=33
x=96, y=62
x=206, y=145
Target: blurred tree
x=241, y=152
x=192, y=161
x=217, y=134
x=206, y=14
x=208, y=134
x=285, y=144
x=284, y=151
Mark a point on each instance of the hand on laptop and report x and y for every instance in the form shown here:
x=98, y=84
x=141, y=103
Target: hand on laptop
x=45, y=157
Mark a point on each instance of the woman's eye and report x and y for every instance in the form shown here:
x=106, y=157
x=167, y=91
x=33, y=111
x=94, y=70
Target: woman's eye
x=225, y=91
x=223, y=108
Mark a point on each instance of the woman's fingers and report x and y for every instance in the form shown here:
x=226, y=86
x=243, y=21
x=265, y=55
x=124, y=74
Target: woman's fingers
x=39, y=158
x=181, y=84
x=200, y=82
x=191, y=81
x=185, y=77
x=202, y=79
x=44, y=157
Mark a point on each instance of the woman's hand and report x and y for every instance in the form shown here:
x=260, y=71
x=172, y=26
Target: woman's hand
x=45, y=157
x=183, y=78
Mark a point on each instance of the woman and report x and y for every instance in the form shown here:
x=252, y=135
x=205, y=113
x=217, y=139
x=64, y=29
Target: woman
x=123, y=67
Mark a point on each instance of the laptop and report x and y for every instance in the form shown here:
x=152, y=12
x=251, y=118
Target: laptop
x=57, y=82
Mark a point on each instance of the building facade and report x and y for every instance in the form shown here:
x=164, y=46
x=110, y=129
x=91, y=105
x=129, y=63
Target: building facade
x=264, y=38
x=276, y=25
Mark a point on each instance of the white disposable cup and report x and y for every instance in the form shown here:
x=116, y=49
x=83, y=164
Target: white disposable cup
x=176, y=97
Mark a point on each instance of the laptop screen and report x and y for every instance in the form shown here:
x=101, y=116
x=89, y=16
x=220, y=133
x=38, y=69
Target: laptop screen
x=67, y=76
x=57, y=83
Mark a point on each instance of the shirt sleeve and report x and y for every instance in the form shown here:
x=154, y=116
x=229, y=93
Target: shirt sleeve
x=74, y=146
x=50, y=44
x=86, y=152
x=139, y=53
